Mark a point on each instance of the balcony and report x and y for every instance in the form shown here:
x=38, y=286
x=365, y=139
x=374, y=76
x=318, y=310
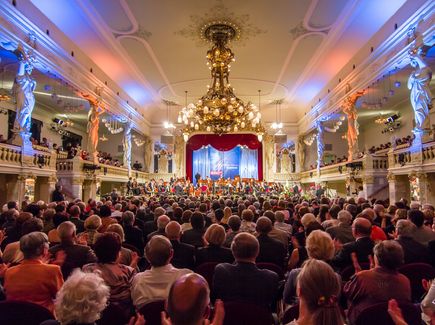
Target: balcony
x=407, y=158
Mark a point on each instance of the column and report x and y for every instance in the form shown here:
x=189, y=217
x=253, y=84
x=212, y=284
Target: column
x=300, y=152
x=391, y=178
x=368, y=186
x=424, y=188
x=46, y=187
x=77, y=188
x=148, y=158
x=90, y=188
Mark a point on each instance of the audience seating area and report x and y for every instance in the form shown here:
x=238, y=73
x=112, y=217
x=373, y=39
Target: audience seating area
x=233, y=245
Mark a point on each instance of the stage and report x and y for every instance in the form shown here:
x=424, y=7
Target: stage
x=225, y=156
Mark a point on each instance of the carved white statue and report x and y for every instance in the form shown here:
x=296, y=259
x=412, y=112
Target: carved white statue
x=179, y=154
x=126, y=143
x=320, y=145
x=301, y=153
x=148, y=147
x=23, y=88
x=418, y=83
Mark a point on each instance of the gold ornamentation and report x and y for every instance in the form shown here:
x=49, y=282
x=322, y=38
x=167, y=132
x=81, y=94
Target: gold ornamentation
x=219, y=14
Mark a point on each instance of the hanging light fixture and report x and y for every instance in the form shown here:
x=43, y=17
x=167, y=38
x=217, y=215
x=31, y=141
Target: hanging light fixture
x=220, y=111
x=167, y=124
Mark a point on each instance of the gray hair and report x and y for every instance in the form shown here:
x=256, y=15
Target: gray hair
x=405, y=228
x=279, y=216
x=345, y=217
x=66, y=230
x=92, y=222
x=32, y=245
x=307, y=219
x=118, y=206
x=389, y=254
x=128, y=217
x=162, y=221
x=81, y=299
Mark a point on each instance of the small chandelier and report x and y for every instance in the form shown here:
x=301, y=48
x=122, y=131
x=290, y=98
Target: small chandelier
x=220, y=111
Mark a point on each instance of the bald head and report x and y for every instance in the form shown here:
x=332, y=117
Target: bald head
x=245, y=247
x=173, y=230
x=162, y=221
x=158, y=251
x=264, y=225
x=362, y=227
x=188, y=299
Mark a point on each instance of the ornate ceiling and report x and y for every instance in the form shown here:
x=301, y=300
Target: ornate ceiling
x=152, y=50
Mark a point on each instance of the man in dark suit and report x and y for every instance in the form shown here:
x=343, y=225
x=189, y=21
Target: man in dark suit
x=197, y=177
x=413, y=251
x=195, y=235
x=243, y=281
x=184, y=254
x=362, y=246
x=271, y=250
x=75, y=255
x=75, y=213
x=133, y=235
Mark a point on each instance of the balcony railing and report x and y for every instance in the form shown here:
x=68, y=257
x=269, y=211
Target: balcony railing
x=11, y=156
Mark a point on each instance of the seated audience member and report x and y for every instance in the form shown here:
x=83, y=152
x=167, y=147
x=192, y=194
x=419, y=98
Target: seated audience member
x=76, y=255
x=12, y=253
x=318, y=290
x=422, y=234
x=91, y=225
x=248, y=224
x=254, y=285
x=343, y=231
x=81, y=300
x=299, y=253
x=271, y=250
x=133, y=235
x=33, y=280
x=188, y=303
x=162, y=221
x=151, y=225
x=53, y=235
x=320, y=247
x=12, y=227
x=195, y=235
x=75, y=214
x=184, y=254
x=281, y=225
x=185, y=220
x=276, y=233
x=362, y=246
x=106, y=219
x=234, y=223
x=47, y=218
x=117, y=214
x=413, y=251
x=213, y=251
x=377, y=234
x=154, y=284
x=379, y=284
x=126, y=255
x=117, y=276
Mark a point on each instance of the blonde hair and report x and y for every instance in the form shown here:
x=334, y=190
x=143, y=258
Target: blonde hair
x=320, y=245
x=81, y=299
x=117, y=229
x=215, y=235
x=92, y=222
x=227, y=214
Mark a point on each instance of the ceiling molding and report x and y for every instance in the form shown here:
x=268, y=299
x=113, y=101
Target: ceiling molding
x=389, y=54
x=15, y=28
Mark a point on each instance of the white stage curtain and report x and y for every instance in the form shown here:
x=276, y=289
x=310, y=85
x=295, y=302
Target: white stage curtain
x=249, y=163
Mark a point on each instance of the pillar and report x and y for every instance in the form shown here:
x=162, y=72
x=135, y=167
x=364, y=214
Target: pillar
x=77, y=188
x=46, y=187
x=368, y=186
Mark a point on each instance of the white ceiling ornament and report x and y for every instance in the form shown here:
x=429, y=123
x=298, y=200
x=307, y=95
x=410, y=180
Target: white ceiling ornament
x=140, y=32
x=219, y=14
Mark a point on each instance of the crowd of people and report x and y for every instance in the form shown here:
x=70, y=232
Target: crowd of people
x=328, y=261
x=400, y=141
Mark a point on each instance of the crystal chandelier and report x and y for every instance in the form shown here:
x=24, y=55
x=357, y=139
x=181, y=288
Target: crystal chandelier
x=220, y=111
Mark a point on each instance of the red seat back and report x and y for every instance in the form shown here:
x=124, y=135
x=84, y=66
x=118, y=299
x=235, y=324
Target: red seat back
x=207, y=271
x=378, y=315
x=237, y=313
x=152, y=312
x=272, y=267
x=416, y=272
x=21, y=312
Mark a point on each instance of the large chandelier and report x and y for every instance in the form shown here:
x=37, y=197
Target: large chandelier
x=220, y=111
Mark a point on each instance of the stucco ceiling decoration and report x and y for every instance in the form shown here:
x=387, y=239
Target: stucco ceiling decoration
x=196, y=30
x=139, y=32
x=300, y=30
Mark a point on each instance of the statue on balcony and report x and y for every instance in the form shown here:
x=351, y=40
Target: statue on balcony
x=126, y=143
x=320, y=145
x=418, y=83
x=93, y=125
x=23, y=88
x=352, y=124
x=301, y=153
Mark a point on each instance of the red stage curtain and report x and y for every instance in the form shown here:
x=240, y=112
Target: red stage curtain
x=223, y=143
